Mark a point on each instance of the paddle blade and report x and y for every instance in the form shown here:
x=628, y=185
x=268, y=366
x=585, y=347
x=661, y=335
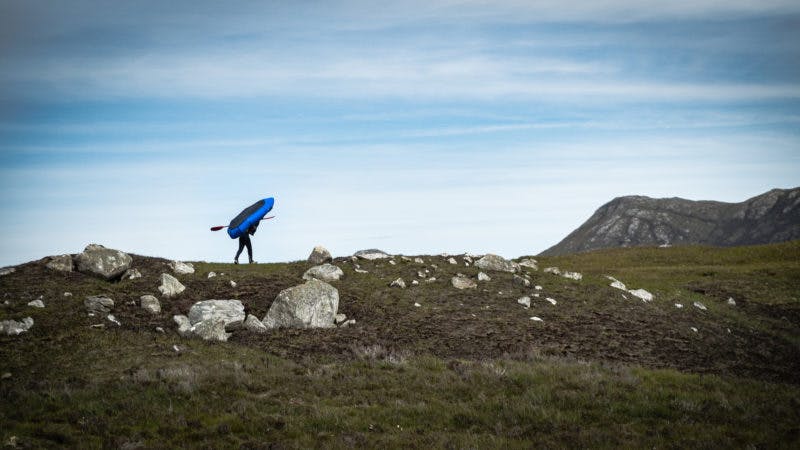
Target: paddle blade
x=218, y=228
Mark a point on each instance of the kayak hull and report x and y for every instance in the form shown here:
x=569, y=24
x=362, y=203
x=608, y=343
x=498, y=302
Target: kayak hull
x=250, y=216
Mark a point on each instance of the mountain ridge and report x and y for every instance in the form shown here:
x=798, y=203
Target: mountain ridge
x=638, y=220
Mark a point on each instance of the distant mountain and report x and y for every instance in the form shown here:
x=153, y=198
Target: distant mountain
x=637, y=220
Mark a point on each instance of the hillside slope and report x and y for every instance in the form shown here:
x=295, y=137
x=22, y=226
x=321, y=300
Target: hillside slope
x=643, y=221
x=464, y=368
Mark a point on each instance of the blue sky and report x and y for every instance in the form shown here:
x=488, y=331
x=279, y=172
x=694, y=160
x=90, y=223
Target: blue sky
x=415, y=127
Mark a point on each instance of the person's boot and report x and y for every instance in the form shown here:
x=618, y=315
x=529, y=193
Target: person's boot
x=253, y=262
x=236, y=261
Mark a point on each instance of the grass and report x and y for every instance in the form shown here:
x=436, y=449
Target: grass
x=390, y=384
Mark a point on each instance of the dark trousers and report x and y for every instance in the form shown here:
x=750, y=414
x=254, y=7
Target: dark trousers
x=244, y=241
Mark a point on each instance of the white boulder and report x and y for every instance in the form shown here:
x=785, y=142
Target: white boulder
x=497, y=263
x=461, y=282
x=324, y=272
x=320, y=255
x=227, y=311
x=310, y=305
x=399, y=283
x=60, y=263
x=371, y=254
x=150, y=304
x=181, y=268
x=103, y=262
x=170, y=286
x=524, y=301
x=13, y=327
x=483, y=277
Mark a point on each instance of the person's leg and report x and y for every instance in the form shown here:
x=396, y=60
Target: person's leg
x=241, y=247
x=249, y=250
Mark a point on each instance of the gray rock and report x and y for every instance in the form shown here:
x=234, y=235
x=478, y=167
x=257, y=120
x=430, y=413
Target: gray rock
x=463, y=283
x=348, y=323
x=371, y=254
x=184, y=325
x=320, y=255
x=61, y=263
x=212, y=274
x=170, y=286
x=228, y=311
x=252, y=324
x=422, y=274
x=615, y=283
x=452, y=261
x=150, y=304
x=310, y=305
x=572, y=275
x=521, y=281
x=419, y=261
x=525, y=301
x=98, y=304
x=233, y=284
x=13, y=327
x=731, y=301
x=103, y=262
x=398, y=283
x=131, y=274
x=324, y=272
x=181, y=268
x=414, y=282
x=339, y=318
x=113, y=320
x=483, y=277
x=38, y=303
x=7, y=270
x=211, y=330
x=361, y=271
x=529, y=263
x=553, y=270
x=497, y=263
x=642, y=294
x=699, y=306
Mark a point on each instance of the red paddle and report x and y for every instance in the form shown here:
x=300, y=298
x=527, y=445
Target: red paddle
x=217, y=228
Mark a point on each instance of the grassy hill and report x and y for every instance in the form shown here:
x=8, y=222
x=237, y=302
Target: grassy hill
x=464, y=369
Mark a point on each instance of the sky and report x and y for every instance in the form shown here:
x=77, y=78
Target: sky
x=416, y=127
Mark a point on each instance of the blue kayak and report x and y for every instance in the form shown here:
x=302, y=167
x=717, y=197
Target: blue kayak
x=251, y=215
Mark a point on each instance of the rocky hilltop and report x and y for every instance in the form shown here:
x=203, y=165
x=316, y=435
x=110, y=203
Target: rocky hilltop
x=641, y=221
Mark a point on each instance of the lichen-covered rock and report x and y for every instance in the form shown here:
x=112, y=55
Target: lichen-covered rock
x=228, y=311
x=399, y=283
x=103, y=262
x=184, y=325
x=496, y=263
x=324, y=272
x=150, y=304
x=181, y=268
x=642, y=294
x=13, y=327
x=131, y=274
x=211, y=330
x=252, y=324
x=483, y=277
x=521, y=281
x=38, y=303
x=460, y=282
x=371, y=254
x=572, y=275
x=98, y=304
x=525, y=301
x=170, y=286
x=615, y=283
x=320, y=255
x=310, y=305
x=529, y=263
x=60, y=263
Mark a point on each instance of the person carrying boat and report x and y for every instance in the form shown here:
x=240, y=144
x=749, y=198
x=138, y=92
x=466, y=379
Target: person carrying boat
x=244, y=241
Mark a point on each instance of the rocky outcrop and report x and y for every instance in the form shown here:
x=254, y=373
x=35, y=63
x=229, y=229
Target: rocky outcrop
x=637, y=220
x=496, y=263
x=181, y=268
x=228, y=311
x=7, y=270
x=461, y=282
x=371, y=254
x=324, y=272
x=310, y=305
x=14, y=327
x=320, y=255
x=103, y=262
x=150, y=304
x=98, y=305
x=60, y=263
x=131, y=274
x=170, y=286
